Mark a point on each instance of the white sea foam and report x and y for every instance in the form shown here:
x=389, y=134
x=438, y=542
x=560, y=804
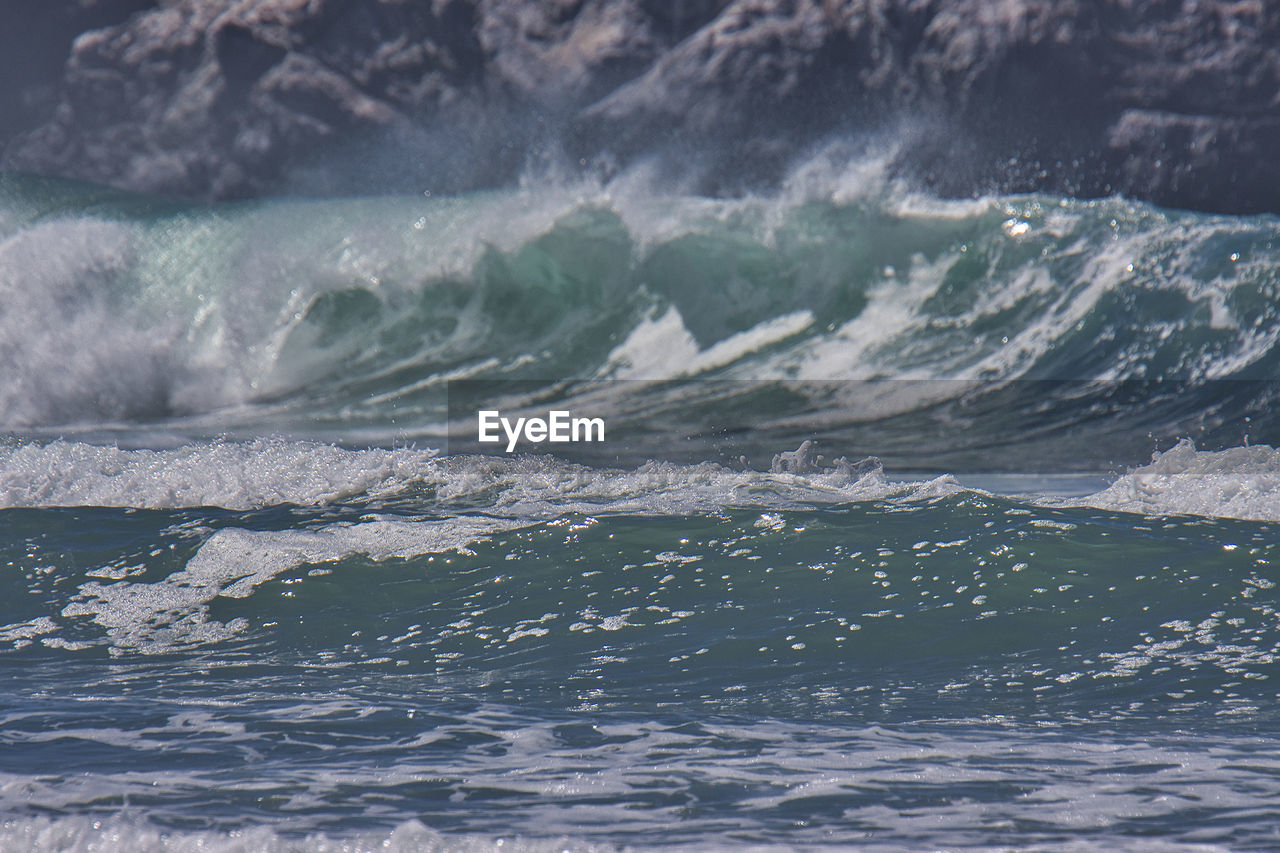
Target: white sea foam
x=1243, y=482
x=227, y=474
x=267, y=472
x=155, y=617
x=661, y=346
x=95, y=835
x=71, y=349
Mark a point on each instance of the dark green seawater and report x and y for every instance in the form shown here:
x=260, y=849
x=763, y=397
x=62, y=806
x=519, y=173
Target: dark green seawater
x=260, y=590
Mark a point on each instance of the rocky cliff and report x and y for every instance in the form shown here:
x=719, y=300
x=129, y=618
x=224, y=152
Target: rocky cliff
x=1175, y=102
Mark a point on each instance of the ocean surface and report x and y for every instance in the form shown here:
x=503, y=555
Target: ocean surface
x=919, y=524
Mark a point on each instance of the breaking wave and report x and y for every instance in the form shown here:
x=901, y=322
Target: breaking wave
x=353, y=317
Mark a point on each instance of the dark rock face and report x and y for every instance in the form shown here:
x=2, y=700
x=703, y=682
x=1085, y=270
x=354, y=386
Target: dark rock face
x=218, y=99
x=34, y=43
x=1171, y=102
x=1176, y=102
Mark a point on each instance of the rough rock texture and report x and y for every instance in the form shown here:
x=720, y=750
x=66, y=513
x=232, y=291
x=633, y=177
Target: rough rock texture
x=1174, y=102
x=1177, y=102
x=34, y=43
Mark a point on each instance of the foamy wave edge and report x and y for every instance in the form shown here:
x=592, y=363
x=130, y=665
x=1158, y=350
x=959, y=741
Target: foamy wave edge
x=277, y=471
x=1241, y=483
x=84, y=834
